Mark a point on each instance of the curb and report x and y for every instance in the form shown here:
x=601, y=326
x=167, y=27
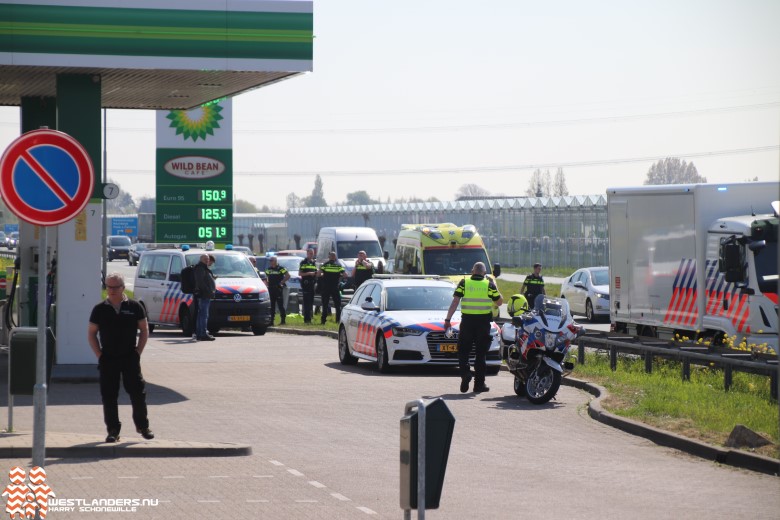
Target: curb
x=730, y=457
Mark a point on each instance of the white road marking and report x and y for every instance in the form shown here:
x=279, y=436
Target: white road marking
x=276, y=463
x=294, y=472
x=316, y=484
x=339, y=496
x=367, y=510
x=127, y=477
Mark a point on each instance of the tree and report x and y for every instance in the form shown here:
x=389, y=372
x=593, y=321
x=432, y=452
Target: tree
x=360, y=198
x=243, y=206
x=294, y=201
x=673, y=171
x=471, y=191
x=317, y=198
x=539, y=186
x=122, y=205
x=559, y=185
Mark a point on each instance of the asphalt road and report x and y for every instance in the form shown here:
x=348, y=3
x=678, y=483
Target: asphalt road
x=326, y=444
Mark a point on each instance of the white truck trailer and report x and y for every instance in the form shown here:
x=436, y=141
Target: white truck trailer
x=698, y=260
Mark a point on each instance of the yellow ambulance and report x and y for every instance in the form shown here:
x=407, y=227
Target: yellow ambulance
x=441, y=249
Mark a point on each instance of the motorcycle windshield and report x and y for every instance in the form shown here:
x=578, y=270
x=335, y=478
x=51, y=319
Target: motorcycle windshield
x=547, y=306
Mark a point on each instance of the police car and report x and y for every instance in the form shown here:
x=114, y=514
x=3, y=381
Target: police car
x=399, y=320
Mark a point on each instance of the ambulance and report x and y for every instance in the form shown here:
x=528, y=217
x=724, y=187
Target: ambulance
x=440, y=249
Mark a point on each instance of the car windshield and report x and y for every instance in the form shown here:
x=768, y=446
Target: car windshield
x=231, y=265
x=600, y=276
x=119, y=241
x=447, y=262
x=291, y=263
x=351, y=249
x=417, y=298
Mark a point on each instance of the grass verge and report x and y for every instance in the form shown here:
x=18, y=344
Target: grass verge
x=698, y=409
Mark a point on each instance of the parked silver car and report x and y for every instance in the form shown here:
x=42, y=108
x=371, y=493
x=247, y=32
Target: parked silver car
x=587, y=291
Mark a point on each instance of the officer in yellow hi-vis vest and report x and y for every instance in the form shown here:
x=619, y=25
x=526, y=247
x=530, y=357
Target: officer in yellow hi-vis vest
x=476, y=295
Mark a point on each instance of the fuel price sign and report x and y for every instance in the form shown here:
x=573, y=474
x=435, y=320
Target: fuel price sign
x=194, y=196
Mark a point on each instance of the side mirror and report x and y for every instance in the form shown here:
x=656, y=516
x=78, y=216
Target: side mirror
x=579, y=284
x=496, y=270
x=369, y=306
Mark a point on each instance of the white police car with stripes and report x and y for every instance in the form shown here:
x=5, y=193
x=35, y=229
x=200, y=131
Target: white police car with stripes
x=399, y=320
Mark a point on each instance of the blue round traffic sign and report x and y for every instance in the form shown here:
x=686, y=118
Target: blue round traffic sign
x=46, y=177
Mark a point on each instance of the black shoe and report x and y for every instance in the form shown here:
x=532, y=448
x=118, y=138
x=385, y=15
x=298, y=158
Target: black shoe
x=464, y=384
x=207, y=337
x=112, y=437
x=146, y=433
x=481, y=387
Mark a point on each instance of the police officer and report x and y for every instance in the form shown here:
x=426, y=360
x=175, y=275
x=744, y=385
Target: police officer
x=364, y=269
x=533, y=285
x=307, y=270
x=332, y=272
x=476, y=295
x=277, y=281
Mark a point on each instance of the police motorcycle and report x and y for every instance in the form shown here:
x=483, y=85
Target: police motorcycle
x=543, y=337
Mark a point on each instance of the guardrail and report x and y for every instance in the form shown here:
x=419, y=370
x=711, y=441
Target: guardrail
x=650, y=348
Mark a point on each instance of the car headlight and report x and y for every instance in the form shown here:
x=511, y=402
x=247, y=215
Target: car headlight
x=601, y=296
x=406, y=331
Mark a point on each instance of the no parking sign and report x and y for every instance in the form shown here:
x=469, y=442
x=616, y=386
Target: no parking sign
x=46, y=177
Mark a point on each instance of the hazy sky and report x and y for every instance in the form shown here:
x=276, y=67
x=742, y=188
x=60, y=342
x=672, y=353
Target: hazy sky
x=418, y=97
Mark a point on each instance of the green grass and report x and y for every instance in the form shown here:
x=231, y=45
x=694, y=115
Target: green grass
x=699, y=408
x=295, y=321
x=507, y=288
x=558, y=272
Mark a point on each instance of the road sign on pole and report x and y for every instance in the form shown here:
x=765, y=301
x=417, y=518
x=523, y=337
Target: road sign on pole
x=46, y=177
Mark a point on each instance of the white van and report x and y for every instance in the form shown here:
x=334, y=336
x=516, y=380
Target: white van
x=347, y=242
x=241, y=301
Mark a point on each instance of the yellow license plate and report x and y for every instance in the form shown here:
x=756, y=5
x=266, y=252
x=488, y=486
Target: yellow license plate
x=448, y=347
x=238, y=318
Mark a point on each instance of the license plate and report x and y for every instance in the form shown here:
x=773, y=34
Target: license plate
x=238, y=318
x=448, y=347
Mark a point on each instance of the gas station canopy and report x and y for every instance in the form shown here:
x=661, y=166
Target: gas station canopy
x=157, y=54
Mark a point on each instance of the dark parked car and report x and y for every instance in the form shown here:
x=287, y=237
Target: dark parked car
x=135, y=252
x=118, y=246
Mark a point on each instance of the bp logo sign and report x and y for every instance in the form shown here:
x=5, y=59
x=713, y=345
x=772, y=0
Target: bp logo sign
x=198, y=123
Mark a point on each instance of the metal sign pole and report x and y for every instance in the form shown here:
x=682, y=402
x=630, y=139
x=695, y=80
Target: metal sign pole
x=421, y=460
x=39, y=393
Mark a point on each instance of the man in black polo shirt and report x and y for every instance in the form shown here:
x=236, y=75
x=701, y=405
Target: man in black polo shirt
x=112, y=330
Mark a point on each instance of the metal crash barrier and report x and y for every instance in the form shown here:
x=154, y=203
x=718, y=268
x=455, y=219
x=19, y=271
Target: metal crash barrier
x=426, y=435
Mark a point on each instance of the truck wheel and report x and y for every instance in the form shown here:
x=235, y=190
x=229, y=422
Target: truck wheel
x=589, y=311
x=258, y=330
x=151, y=328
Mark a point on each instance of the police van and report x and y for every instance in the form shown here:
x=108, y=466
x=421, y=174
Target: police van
x=440, y=249
x=347, y=242
x=241, y=300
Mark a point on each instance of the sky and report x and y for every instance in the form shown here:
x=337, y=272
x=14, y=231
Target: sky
x=415, y=98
